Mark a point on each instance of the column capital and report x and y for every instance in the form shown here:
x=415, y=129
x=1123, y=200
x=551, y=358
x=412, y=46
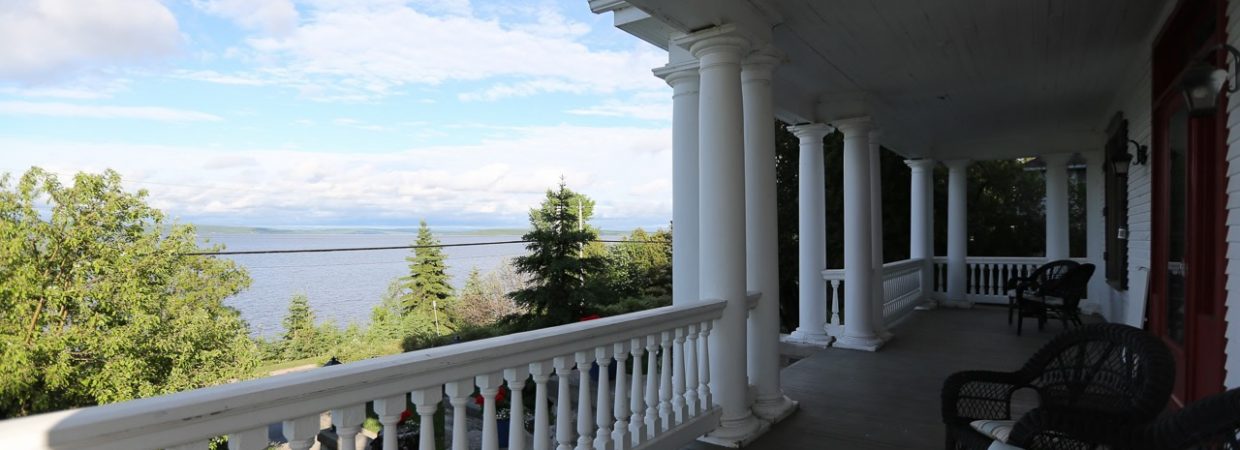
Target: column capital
x=854, y=126
x=918, y=165
x=760, y=64
x=675, y=74
x=811, y=131
x=958, y=164
x=1056, y=159
x=723, y=40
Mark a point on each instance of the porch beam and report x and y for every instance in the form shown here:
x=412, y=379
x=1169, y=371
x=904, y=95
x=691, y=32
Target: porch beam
x=957, y=232
x=859, y=330
x=761, y=234
x=719, y=51
x=683, y=77
x=812, y=236
x=1057, y=205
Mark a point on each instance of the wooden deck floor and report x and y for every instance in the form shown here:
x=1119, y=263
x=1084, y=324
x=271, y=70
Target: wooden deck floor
x=890, y=399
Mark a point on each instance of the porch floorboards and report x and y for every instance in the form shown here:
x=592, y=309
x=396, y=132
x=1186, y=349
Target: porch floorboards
x=890, y=399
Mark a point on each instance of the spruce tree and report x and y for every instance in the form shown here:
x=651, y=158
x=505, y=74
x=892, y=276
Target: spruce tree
x=427, y=290
x=557, y=264
x=300, y=336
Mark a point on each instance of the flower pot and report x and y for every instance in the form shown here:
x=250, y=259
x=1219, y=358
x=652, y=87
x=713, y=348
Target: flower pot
x=502, y=425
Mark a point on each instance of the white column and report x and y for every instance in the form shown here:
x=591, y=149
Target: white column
x=876, y=239
x=812, y=235
x=921, y=220
x=1056, y=205
x=761, y=235
x=683, y=78
x=957, y=232
x=1095, y=233
x=859, y=331
x=722, y=166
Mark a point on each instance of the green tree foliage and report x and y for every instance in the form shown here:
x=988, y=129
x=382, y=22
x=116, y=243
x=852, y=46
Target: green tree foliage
x=428, y=292
x=640, y=266
x=301, y=339
x=557, y=265
x=100, y=302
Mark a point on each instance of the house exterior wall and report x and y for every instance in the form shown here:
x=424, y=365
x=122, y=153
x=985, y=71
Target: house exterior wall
x=1231, y=364
x=1129, y=306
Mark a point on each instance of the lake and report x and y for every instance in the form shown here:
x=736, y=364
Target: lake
x=341, y=286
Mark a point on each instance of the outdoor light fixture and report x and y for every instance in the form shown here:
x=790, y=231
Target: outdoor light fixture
x=1204, y=81
x=1143, y=152
x=1120, y=161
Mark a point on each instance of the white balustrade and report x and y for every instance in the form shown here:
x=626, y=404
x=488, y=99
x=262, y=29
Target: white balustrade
x=677, y=404
x=987, y=276
x=902, y=292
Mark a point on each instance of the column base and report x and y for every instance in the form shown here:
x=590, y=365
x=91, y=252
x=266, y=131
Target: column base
x=736, y=433
x=927, y=305
x=802, y=338
x=869, y=344
x=776, y=409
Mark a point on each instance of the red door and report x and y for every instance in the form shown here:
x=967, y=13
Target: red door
x=1188, y=204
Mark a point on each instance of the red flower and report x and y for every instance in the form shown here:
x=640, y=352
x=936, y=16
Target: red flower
x=589, y=317
x=405, y=415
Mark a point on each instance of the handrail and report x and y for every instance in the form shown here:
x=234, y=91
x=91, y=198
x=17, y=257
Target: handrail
x=200, y=414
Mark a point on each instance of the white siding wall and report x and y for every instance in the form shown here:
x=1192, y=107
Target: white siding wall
x=1232, y=283
x=1128, y=306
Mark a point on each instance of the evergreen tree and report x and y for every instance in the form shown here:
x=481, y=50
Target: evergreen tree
x=100, y=303
x=301, y=337
x=427, y=290
x=557, y=265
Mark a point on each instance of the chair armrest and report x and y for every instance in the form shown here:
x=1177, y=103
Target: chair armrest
x=1064, y=428
x=977, y=394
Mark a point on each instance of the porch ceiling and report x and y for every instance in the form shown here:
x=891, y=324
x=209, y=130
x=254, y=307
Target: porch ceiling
x=948, y=78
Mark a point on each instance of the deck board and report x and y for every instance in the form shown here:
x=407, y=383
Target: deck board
x=890, y=399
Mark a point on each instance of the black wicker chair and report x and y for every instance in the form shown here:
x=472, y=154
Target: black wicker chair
x=1034, y=286
x=1212, y=422
x=1111, y=375
x=1063, y=299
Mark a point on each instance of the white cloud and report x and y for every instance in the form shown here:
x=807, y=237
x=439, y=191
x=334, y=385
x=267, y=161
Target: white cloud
x=493, y=182
x=367, y=49
x=46, y=40
x=645, y=110
x=270, y=16
x=56, y=109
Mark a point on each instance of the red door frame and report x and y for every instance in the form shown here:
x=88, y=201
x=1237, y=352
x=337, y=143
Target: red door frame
x=1200, y=361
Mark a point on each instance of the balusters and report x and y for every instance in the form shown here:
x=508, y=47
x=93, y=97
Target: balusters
x=691, y=373
x=678, y=376
x=426, y=402
x=389, y=410
x=488, y=386
x=563, y=407
x=603, y=416
x=256, y=438
x=516, y=424
x=585, y=424
x=708, y=402
x=836, y=302
x=348, y=421
x=652, y=387
x=300, y=432
x=458, y=395
x=541, y=372
x=665, y=382
x=620, y=436
x=637, y=425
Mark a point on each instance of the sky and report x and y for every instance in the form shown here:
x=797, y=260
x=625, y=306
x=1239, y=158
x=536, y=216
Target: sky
x=328, y=113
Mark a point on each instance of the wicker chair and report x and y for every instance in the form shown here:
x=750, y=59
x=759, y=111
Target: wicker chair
x=1022, y=289
x=1111, y=375
x=1063, y=299
x=1212, y=422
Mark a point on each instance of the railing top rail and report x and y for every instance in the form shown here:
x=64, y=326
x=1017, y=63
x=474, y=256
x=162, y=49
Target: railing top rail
x=202, y=413
x=1000, y=259
x=913, y=263
x=833, y=274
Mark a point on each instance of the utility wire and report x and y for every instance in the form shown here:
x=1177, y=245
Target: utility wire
x=397, y=247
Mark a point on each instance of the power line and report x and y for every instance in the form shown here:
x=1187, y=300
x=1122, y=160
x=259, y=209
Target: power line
x=397, y=247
